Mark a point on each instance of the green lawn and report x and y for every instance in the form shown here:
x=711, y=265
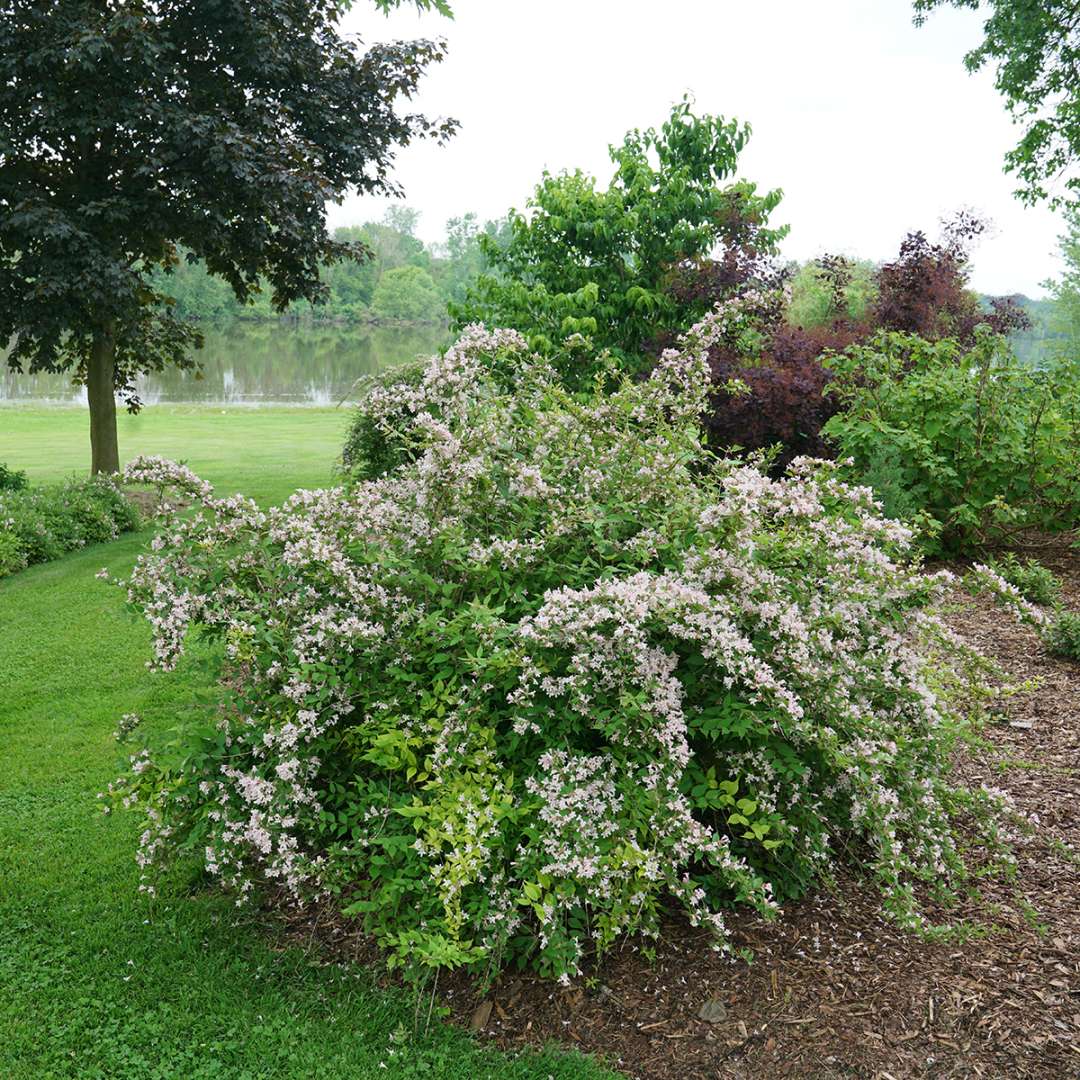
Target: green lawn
x=265, y=453
x=94, y=980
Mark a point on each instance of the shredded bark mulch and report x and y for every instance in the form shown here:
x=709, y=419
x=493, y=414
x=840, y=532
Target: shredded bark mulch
x=834, y=989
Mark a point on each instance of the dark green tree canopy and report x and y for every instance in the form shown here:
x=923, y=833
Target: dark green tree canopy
x=130, y=128
x=1036, y=46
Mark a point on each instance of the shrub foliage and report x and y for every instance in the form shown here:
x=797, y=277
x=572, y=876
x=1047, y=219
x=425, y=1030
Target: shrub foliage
x=1058, y=628
x=976, y=440
x=1037, y=583
x=368, y=451
x=780, y=332
x=555, y=669
x=1063, y=635
x=42, y=523
x=12, y=479
x=925, y=289
x=768, y=379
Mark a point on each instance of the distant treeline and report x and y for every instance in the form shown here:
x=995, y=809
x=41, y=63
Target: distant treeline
x=405, y=280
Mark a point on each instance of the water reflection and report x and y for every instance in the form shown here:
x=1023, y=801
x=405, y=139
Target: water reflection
x=258, y=364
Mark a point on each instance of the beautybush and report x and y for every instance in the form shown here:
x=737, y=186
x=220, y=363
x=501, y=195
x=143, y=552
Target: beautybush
x=42, y=523
x=12, y=556
x=1059, y=628
x=556, y=670
x=1036, y=582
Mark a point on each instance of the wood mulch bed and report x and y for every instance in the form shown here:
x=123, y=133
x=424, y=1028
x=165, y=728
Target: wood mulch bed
x=835, y=990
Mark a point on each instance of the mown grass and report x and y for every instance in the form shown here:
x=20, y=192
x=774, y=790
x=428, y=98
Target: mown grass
x=265, y=453
x=95, y=981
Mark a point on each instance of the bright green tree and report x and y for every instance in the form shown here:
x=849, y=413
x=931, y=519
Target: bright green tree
x=593, y=260
x=408, y=293
x=394, y=242
x=352, y=282
x=1065, y=291
x=1036, y=46
x=130, y=131
x=814, y=295
x=462, y=259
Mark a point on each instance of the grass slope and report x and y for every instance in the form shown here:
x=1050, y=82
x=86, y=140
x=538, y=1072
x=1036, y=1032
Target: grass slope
x=94, y=980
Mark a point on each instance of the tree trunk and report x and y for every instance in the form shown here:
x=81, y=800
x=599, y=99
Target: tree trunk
x=104, y=450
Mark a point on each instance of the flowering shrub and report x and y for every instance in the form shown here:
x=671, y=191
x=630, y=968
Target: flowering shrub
x=1059, y=628
x=40, y=524
x=1036, y=582
x=986, y=579
x=169, y=478
x=554, y=670
x=12, y=556
x=367, y=451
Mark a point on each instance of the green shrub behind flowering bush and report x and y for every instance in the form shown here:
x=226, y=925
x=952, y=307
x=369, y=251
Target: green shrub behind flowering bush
x=973, y=440
x=1063, y=635
x=42, y=523
x=368, y=452
x=12, y=479
x=553, y=671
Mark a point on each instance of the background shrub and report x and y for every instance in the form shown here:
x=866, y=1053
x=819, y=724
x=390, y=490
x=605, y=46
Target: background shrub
x=925, y=291
x=628, y=267
x=831, y=288
x=42, y=523
x=1063, y=635
x=980, y=442
x=12, y=480
x=780, y=331
x=769, y=381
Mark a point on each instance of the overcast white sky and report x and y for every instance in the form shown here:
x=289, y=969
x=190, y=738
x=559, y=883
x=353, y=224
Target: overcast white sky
x=870, y=126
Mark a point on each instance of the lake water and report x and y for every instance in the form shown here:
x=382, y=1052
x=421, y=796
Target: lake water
x=258, y=364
